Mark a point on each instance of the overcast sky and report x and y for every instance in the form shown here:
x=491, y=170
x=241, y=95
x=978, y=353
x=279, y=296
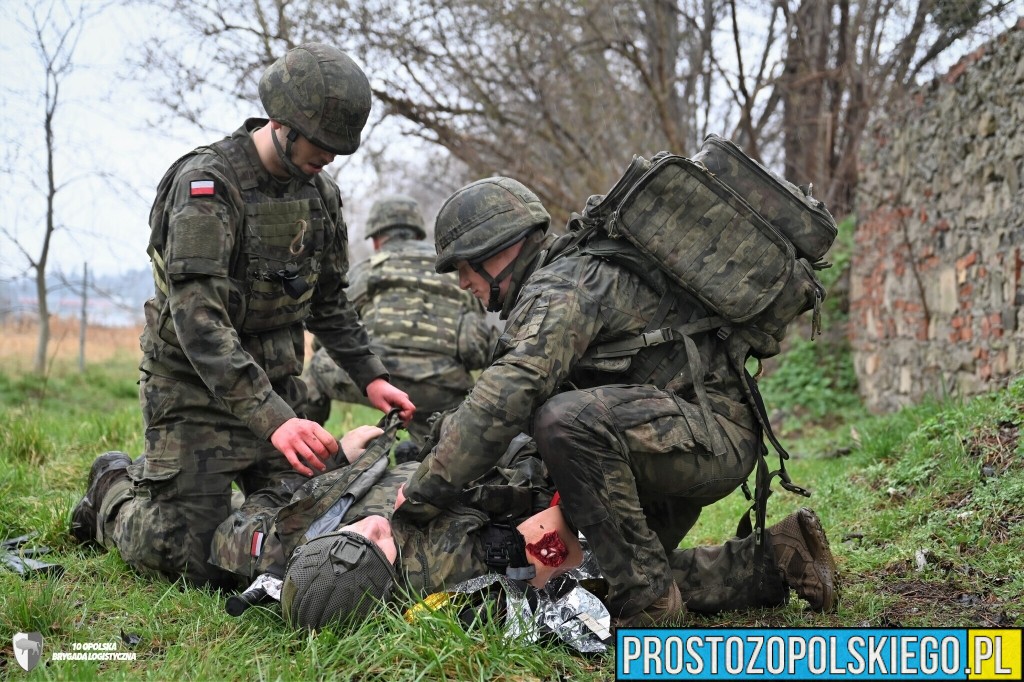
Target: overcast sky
x=103, y=123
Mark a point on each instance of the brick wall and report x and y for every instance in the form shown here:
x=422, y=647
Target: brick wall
x=937, y=294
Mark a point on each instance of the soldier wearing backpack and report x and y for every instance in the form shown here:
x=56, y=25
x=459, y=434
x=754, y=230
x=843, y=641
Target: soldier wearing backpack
x=249, y=249
x=637, y=444
x=429, y=333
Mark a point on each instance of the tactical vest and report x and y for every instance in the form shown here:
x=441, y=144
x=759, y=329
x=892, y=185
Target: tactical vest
x=404, y=304
x=280, y=244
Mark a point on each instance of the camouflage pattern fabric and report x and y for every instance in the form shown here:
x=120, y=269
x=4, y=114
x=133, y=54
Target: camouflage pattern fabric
x=445, y=551
x=321, y=92
x=395, y=210
x=181, y=489
x=716, y=578
x=448, y=550
x=792, y=210
x=483, y=218
x=243, y=263
x=648, y=456
x=429, y=333
x=566, y=306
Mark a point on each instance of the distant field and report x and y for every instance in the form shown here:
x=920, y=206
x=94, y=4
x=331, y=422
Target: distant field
x=101, y=343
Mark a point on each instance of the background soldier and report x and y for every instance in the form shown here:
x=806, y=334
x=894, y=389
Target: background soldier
x=635, y=445
x=249, y=249
x=429, y=333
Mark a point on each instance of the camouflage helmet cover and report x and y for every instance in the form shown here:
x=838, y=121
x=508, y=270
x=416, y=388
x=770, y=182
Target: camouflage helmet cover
x=484, y=218
x=335, y=578
x=395, y=210
x=319, y=91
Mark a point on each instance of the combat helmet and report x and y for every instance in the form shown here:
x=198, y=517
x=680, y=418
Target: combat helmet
x=484, y=218
x=335, y=578
x=395, y=210
x=318, y=91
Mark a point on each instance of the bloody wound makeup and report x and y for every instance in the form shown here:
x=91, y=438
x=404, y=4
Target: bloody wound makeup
x=550, y=549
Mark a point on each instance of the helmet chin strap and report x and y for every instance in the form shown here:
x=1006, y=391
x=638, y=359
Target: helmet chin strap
x=285, y=154
x=493, y=304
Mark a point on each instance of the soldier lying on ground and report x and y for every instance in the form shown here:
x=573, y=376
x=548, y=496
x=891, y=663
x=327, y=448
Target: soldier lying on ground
x=506, y=512
x=374, y=551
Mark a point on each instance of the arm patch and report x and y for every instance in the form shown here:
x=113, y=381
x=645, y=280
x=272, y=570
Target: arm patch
x=197, y=246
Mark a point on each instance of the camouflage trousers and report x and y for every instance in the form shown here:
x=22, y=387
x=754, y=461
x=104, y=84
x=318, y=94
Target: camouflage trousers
x=725, y=577
x=430, y=393
x=181, y=489
x=634, y=466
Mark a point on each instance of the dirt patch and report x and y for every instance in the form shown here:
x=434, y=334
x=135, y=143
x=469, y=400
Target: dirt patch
x=916, y=601
x=995, y=448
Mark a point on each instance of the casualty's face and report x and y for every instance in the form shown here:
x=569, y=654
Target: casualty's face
x=377, y=530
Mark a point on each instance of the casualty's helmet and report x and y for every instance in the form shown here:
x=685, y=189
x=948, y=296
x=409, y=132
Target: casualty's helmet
x=320, y=92
x=484, y=218
x=395, y=210
x=335, y=578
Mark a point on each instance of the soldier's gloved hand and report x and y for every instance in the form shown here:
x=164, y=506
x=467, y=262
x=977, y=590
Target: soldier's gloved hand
x=354, y=443
x=302, y=440
x=386, y=397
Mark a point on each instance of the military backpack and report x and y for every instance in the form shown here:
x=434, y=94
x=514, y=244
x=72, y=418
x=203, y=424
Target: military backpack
x=727, y=232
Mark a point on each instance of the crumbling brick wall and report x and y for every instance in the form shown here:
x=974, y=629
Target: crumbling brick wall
x=937, y=295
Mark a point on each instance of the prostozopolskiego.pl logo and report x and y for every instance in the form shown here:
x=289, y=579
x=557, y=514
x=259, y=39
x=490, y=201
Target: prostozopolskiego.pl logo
x=28, y=649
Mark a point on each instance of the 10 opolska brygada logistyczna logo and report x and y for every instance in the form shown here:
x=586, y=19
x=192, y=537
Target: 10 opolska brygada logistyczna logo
x=29, y=649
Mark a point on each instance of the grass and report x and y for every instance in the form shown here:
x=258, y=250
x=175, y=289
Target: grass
x=924, y=508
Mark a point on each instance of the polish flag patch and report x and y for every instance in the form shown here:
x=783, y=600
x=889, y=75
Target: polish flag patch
x=257, y=544
x=201, y=188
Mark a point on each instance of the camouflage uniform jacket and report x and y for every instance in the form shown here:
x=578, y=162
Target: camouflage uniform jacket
x=447, y=550
x=241, y=262
x=569, y=303
x=450, y=548
x=428, y=328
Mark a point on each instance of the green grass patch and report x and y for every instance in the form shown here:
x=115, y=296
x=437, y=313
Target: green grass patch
x=924, y=509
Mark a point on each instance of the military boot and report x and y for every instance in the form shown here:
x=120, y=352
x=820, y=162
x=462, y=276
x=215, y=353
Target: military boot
x=108, y=468
x=800, y=550
x=666, y=608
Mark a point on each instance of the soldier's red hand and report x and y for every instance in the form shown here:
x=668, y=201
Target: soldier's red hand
x=386, y=397
x=303, y=442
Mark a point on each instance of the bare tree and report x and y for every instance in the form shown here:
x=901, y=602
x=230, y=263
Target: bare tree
x=561, y=93
x=847, y=60
x=55, y=28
